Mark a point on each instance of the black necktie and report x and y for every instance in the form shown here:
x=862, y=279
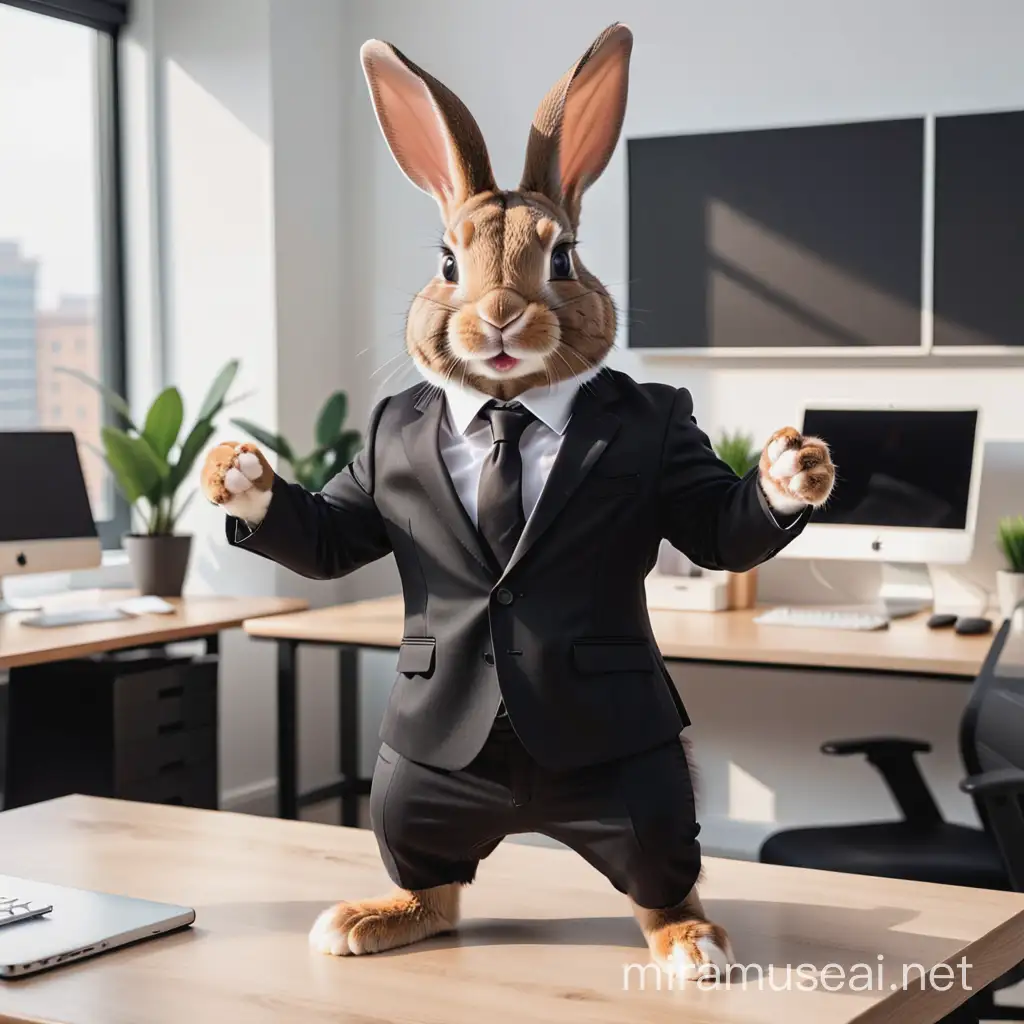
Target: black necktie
x=500, y=515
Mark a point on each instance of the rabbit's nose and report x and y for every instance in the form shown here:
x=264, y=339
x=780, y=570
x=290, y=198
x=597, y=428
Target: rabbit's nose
x=501, y=307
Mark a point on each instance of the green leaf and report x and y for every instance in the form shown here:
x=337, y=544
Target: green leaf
x=347, y=448
x=218, y=391
x=275, y=442
x=139, y=472
x=738, y=451
x=1011, y=540
x=164, y=421
x=331, y=419
x=112, y=398
x=196, y=441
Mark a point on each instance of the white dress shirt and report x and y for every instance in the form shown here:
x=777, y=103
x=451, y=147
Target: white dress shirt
x=466, y=439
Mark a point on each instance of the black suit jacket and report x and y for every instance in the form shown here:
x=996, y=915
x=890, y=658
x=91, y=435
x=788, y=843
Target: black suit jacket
x=563, y=634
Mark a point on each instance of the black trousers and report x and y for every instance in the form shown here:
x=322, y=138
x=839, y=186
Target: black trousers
x=632, y=819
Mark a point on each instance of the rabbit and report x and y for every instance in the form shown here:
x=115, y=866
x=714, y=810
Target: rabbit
x=510, y=309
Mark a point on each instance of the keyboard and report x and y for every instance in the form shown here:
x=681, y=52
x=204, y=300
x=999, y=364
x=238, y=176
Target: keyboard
x=81, y=616
x=13, y=910
x=824, y=618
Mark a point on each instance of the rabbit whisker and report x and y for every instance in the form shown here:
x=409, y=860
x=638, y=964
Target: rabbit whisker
x=575, y=298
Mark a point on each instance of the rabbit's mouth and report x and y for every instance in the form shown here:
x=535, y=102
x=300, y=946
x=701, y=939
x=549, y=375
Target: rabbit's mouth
x=503, y=362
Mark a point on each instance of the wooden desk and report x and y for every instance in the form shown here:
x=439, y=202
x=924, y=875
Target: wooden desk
x=545, y=939
x=908, y=647
x=23, y=647
x=193, y=618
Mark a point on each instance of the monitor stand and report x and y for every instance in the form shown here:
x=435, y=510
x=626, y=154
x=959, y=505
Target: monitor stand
x=909, y=588
x=906, y=589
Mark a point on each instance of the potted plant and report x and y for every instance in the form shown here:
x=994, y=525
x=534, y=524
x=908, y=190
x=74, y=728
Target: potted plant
x=741, y=454
x=335, y=447
x=1010, y=581
x=149, y=465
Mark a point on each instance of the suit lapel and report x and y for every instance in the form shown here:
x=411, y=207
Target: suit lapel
x=588, y=434
x=421, y=437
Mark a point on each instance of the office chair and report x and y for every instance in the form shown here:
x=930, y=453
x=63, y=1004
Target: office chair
x=922, y=846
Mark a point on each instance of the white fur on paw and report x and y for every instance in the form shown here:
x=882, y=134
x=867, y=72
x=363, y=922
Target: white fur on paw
x=788, y=506
x=250, y=465
x=236, y=481
x=786, y=465
x=251, y=505
x=713, y=965
x=776, y=448
x=324, y=937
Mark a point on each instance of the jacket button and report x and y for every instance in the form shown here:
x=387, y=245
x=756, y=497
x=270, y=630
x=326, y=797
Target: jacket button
x=489, y=658
x=505, y=596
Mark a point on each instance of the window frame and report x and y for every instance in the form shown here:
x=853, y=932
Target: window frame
x=112, y=243
x=105, y=17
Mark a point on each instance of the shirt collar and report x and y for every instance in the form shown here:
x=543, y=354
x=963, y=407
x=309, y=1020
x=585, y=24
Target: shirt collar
x=551, y=404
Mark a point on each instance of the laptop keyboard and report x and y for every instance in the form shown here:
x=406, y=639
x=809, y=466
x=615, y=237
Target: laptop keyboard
x=13, y=909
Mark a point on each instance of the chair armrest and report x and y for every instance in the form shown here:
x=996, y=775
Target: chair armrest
x=1001, y=782
x=893, y=758
x=883, y=745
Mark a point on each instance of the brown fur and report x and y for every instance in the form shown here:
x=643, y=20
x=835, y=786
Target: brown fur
x=679, y=927
x=813, y=463
x=503, y=240
x=222, y=458
x=375, y=925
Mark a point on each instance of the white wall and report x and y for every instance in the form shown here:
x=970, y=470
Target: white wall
x=699, y=66
x=237, y=249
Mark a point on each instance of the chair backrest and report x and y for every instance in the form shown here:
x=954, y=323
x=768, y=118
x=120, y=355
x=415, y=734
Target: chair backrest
x=992, y=737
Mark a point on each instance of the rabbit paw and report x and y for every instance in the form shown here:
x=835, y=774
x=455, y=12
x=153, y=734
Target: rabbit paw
x=796, y=471
x=239, y=479
x=692, y=950
x=372, y=926
x=684, y=944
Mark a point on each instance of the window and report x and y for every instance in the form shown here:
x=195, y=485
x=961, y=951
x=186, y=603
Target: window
x=60, y=281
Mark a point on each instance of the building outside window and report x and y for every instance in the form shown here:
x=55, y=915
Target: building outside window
x=60, y=298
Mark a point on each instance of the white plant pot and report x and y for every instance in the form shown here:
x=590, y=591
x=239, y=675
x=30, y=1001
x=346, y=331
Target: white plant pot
x=1010, y=588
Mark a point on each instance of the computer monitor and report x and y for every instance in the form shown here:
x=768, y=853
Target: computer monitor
x=46, y=523
x=907, y=483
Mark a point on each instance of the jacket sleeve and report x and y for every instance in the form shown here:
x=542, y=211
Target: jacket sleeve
x=717, y=519
x=327, y=535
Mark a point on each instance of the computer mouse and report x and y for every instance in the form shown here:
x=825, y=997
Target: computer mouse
x=941, y=621
x=968, y=625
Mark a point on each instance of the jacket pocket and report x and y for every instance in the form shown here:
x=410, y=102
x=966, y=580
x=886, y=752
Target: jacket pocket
x=593, y=656
x=416, y=656
x=609, y=486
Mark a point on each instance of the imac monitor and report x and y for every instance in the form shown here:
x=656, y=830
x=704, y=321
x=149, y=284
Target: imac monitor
x=46, y=522
x=906, y=487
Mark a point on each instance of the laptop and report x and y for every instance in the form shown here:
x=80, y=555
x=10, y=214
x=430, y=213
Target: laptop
x=43, y=926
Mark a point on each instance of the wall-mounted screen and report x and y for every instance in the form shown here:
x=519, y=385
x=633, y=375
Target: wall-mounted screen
x=806, y=238
x=979, y=230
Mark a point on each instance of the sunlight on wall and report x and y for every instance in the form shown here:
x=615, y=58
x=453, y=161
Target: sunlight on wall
x=219, y=280
x=749, y=798
x=812, y=294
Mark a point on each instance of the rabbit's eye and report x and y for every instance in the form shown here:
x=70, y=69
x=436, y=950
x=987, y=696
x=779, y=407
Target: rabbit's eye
x=449, y=267
x=561, y=263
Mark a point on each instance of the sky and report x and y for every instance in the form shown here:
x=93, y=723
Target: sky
x=48, y=183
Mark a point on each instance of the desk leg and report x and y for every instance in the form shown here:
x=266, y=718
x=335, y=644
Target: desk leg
x=966, y=1014
x=287, y=730
x=348, y=733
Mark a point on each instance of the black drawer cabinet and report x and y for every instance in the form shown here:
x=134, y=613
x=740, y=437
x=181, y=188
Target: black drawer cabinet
x=136, y=726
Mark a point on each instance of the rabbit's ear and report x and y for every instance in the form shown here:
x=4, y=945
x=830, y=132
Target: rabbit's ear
x=577, y=125
x=432, y=135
